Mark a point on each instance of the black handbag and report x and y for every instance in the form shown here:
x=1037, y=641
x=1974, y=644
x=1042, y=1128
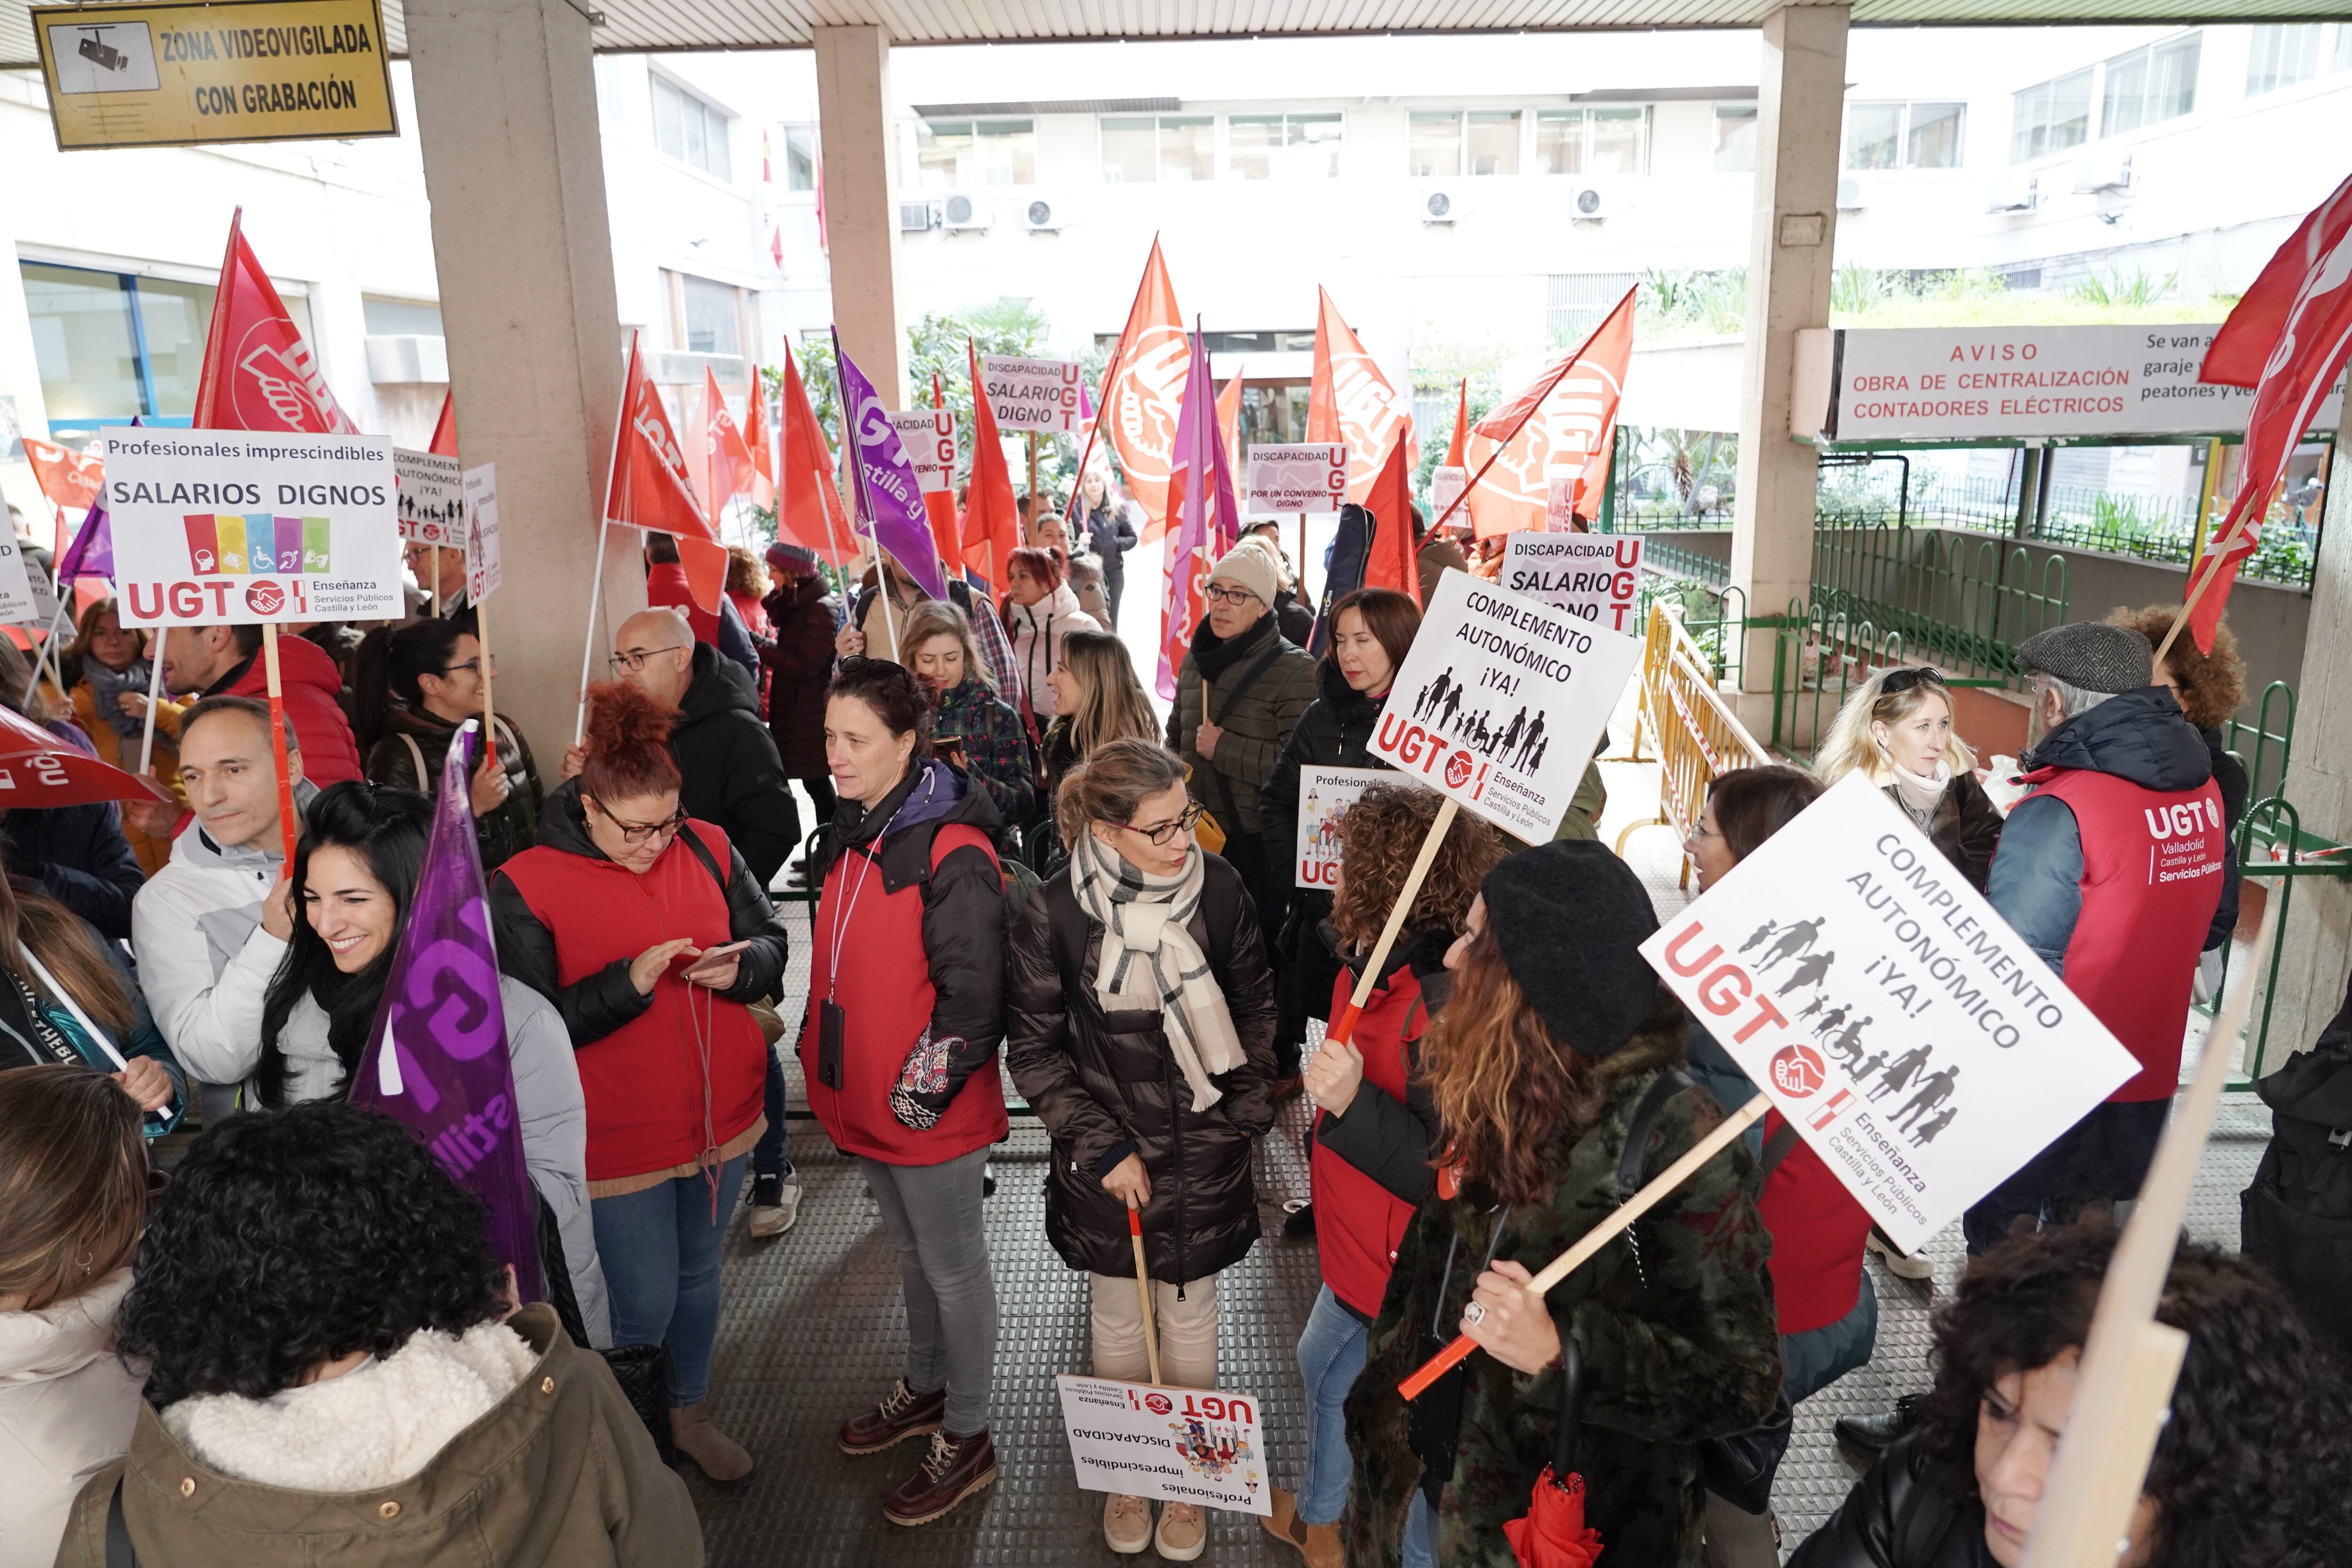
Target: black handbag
x=643, y=1373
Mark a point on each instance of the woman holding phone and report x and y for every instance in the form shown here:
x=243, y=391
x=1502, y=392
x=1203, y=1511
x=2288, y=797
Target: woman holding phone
x=651, y=937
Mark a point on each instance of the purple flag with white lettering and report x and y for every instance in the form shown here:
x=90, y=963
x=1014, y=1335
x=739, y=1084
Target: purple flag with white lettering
x=890, y=495
x=437, y=1059
x=91, y=553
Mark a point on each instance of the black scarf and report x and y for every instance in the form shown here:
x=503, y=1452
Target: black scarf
x=1215, y=655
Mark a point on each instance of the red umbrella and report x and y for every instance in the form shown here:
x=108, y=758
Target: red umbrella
x=37, y=768
x=1552, y=1533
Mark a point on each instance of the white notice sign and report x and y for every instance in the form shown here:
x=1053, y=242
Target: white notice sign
x=1593, y=577
x=1501, y=702
x=20, y=601
x=239, y=527
x=1324, y=797
x=1910, y=1036
x=1296, y=476
x=1027, y=394
x=1181, y=1445
x=1445, y=486
x=432, y=497
x=928, y=436
x=483, y=573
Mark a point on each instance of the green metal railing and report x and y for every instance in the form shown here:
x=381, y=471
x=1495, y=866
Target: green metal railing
x=2274, y=850
x=2273, y=741
x=1963, y=604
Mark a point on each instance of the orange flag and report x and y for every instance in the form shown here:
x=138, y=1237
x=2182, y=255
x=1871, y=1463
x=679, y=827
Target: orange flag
x=1392, y=563
x=648, y=488
x=992, y=524
x=1350, y=400
x=1559, y=427
x=809, y=512
x=1455, y=454
x=258, y=374
x=1141, y=393
x=445, y=429
x=726, y=456
x=1229, y=420
x=755, y=437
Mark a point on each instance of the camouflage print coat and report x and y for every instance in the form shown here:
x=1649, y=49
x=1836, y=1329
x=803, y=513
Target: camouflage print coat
x=1679, y=1348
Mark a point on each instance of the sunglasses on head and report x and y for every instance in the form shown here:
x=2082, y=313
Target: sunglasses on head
x=1904, y=680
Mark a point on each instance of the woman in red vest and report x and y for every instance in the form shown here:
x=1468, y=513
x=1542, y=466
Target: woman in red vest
x=1375, y=1129
x=651, y=936
x=905, y=1010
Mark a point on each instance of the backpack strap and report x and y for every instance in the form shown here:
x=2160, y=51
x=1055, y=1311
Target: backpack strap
x=1664, y=1086
x=709, y=861
x=120, y=1552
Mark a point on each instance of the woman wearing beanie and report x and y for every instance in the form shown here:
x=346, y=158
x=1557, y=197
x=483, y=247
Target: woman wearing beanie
x=1375, y=1134
x=898, y=1049
x=651, y=937
x=1556, y=1038
x=1140, y=1015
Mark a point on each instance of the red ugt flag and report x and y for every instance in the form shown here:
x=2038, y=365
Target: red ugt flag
x=648, y=489
x=258, y=374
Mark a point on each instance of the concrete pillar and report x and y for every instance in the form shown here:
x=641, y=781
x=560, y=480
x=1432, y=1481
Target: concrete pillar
x=1800, y=107
x=506, y=109
x=861, y=208
x=2317, y=941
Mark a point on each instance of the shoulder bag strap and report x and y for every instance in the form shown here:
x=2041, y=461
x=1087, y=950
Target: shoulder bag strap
x=709, y=861
x=1664, y=1086
x=1776, y=1149
x=424, y=780
x=119, y=1550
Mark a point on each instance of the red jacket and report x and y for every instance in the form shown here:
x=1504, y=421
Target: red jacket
x=1817, y=1231
x=314, y=709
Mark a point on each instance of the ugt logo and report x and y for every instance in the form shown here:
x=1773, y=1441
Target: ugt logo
x=265, y=598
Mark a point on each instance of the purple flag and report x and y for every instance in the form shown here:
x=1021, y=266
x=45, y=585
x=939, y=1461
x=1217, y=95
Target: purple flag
x=437, y=1059
x=91, y=553
x=888, y=495
x=1206, y=520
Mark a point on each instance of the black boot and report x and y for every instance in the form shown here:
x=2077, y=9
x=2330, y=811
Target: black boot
x=1870, y=1436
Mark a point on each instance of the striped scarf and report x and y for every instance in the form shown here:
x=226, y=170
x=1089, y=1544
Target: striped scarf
x=1149, y=959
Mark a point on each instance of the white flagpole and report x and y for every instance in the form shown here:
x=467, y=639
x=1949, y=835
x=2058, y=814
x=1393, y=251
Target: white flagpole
x=155, y=697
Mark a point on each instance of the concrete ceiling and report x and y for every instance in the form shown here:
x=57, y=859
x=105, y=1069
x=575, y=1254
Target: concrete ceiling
x=661, y=24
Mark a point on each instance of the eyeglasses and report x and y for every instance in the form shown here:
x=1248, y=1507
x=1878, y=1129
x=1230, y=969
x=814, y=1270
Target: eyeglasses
x=1167, y=833
x=472, y=666
x=1897, y=681
x=638, y=832
x=634, y=662
x=1230, y=595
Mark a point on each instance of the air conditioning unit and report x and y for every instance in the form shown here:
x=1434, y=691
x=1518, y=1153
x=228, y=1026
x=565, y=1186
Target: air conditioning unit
x=915, y=218
x=961, y=209
x=2016, y=193
x=2103, y=172
x=1591, y=203
x=1439, y=206
x=1849, y=196
x=1043, y=216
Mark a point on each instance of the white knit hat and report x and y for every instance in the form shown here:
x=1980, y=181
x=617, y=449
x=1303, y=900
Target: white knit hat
x=1249, y=566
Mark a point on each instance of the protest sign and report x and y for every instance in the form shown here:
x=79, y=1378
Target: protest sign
x=432, y=497
x=20, y=602
x=1560, y=507
x=239, y=527
x=1446, y=488
x=1593, y=577
x=483, y=571
x=1181, y=1445
x=1031, y=394
x=1501, y=701
x=1324, y=797
x=928, y=437
x=1296, y=476
x=1913, y=1039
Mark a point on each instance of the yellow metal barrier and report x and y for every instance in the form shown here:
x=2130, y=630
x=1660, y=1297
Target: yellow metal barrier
x=1698, y=739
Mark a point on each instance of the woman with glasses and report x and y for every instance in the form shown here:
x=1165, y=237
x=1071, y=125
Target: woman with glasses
x=1141, y=1030
x=1896, y=732
x=905, y=1010
x=435, y=671
x=651, y=937
x=978, y=730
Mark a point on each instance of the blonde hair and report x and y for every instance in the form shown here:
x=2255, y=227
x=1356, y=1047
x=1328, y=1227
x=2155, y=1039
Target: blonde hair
x=1111, y=781
x=940, y=619
x=1111, y=703
x=1851, y=748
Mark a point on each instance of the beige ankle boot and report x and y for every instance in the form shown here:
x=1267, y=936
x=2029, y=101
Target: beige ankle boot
x=716, y=1454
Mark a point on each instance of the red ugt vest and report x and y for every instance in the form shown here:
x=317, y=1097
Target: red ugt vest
x=1358, y=1223
x=2152, y=870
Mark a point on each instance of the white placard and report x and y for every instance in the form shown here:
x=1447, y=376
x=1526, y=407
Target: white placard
x=483, y=572
x=929, y=435
x=1910, y=1036
x=1296, y=476
x=239, y=527
x=20, y=596
x=1181, y=1445
x=1032, y=393
x=1445, y=486
x=1560, y=506
x=1593, y=577
x=1324, y=797
x=432, y=497
x=1501, y=702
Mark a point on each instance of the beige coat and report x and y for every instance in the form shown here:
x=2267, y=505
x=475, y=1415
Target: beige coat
x=559, y=1474
x=66, y=1412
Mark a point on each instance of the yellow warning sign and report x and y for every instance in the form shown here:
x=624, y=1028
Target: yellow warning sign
x=241, y=70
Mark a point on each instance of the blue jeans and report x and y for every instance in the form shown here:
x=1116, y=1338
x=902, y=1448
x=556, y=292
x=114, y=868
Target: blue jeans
x=660, y=1252
x=1330, y=1357
x=770, y=1157
x=1420, y=1543
x=1813, y=1359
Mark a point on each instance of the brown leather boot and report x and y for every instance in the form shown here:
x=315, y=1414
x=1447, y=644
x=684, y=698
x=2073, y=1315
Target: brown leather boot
x=903, y=1414
x=716, y=1454
x=953, y=1469
x=1318, y=1543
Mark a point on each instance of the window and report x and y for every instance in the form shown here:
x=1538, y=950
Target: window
x=800, y=157
x=2342, y=58
x=704, y=320
x=1138, y=149
x=954, y=155
x=1598, y=140
x=2051, y=117
x=1444, y=144
x=2149, y=86
x=1283, y=146
x=2284, y=56
x=1491, y=141
x=111, y=345
x=1575, y=303
x=400, y=317
x=1735, y=138
x=1903, y=135
x=690, y=130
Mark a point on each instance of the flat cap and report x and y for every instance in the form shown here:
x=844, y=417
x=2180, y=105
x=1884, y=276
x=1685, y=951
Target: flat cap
x=2092, y=655
x=1570, y=918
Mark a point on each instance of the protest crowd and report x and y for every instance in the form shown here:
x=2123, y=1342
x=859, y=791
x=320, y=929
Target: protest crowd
x=248, y=1317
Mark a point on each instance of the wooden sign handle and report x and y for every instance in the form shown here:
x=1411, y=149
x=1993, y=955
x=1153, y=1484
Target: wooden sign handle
x=1343, y=1028
x=290, y=827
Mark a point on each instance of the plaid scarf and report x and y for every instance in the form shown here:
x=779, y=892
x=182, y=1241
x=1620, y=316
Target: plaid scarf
x=1149, y=959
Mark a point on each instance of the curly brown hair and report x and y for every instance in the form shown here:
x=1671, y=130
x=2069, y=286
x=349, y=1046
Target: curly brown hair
x=2212, y=684
x=1380, y=837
